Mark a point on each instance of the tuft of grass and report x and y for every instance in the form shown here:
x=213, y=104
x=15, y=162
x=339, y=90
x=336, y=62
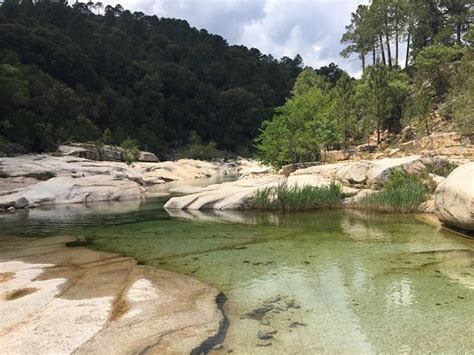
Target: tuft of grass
x=3, y=174
x=441, y=168
x=295, y=198
x=43, y=176
x=404, y=193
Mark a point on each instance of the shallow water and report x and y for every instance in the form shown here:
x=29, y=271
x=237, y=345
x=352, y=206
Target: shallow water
x=329, y=281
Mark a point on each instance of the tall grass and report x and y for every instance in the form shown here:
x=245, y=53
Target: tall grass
x=403, y=193
x=295, y=198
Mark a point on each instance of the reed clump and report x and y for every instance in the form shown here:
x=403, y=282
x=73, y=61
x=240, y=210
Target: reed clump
x=403, y=193
x=297, y=198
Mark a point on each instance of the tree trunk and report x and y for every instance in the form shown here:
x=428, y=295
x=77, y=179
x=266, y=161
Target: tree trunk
x=382, y=49
x=407, y=58
x=378, y=131
x=387, y=38
x=458, y=33
x=362, y=57
x=373, y=57
x=396, y=48
x=389, y=52
x=396, y=37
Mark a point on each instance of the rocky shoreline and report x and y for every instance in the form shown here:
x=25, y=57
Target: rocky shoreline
x=64, y=300
x=77, y=180
x=452, y=202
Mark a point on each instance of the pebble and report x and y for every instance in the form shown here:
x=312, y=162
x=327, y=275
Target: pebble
x=264, y=335
x=296, y=324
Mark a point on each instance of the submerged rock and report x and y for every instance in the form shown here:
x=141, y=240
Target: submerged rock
x=97, y=303
x=262, y=335
x=454, y=198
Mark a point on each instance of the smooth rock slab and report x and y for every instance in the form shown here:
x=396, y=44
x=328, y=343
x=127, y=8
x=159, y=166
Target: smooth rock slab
x=60, y=300
x=237, y=194
x=65, y=190
x=369, y=173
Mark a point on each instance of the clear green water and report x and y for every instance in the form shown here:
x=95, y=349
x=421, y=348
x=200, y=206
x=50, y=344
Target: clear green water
x=331, y=281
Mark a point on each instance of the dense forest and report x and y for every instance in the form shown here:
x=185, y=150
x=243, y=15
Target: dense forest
x=89, y=73
x=104, y=74
x=437, y=79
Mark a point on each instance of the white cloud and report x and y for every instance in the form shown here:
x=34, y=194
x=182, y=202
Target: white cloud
x=311, y=28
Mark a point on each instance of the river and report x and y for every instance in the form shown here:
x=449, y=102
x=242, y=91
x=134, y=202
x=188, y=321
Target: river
x=327, y=281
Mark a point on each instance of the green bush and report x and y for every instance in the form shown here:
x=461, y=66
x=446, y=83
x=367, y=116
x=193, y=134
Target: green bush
x=441, y=168
x=43, y=175
x=403, y=193
x=130, y=148
x=196, y=149
x=295, y=198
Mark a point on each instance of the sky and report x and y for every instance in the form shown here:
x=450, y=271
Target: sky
x=311, y=28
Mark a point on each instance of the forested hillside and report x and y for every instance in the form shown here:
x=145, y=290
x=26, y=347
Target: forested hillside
x=89, y=73
x=437, y=80
x=103, y=74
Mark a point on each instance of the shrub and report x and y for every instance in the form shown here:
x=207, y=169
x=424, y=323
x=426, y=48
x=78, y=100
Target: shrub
x=3, y=174
x=441, y=168
x=295, y=198
x=403, y=193
x=130, y=150
x=43, y=175
x=196, y=149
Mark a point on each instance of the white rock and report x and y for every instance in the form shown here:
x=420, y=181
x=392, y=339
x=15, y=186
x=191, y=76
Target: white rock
x=64, y=190
x=454, y=198
x=370, y=173
x=237, y=194
x=147, y=157
x=436, y=178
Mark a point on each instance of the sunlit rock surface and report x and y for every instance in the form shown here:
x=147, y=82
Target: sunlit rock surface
x=67, y=190
x=78, y=180
x=454, y=198
x=354, y=174
x=59, y=300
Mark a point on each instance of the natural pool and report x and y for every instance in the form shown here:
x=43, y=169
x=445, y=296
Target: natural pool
x=329, y=281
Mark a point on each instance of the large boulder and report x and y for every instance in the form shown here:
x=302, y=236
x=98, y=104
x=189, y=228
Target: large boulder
x=237, y=194
x=65, y=190
x=147, y=157
x=368, y=173
x=454, y=198
x=92, y=152
x=102, y=153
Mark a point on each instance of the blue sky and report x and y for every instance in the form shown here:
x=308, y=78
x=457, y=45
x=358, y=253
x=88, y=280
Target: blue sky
x=311, y=28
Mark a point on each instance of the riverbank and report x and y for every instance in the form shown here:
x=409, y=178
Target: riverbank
x=37, y=180
x=72, y=180
x=62, y=300
x=408, y=184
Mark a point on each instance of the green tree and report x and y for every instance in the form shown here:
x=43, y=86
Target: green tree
x=359, y=35
x=378, y=99
x=299, y=130
x=459, y=15
x=344, y=108
x=308, y=80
